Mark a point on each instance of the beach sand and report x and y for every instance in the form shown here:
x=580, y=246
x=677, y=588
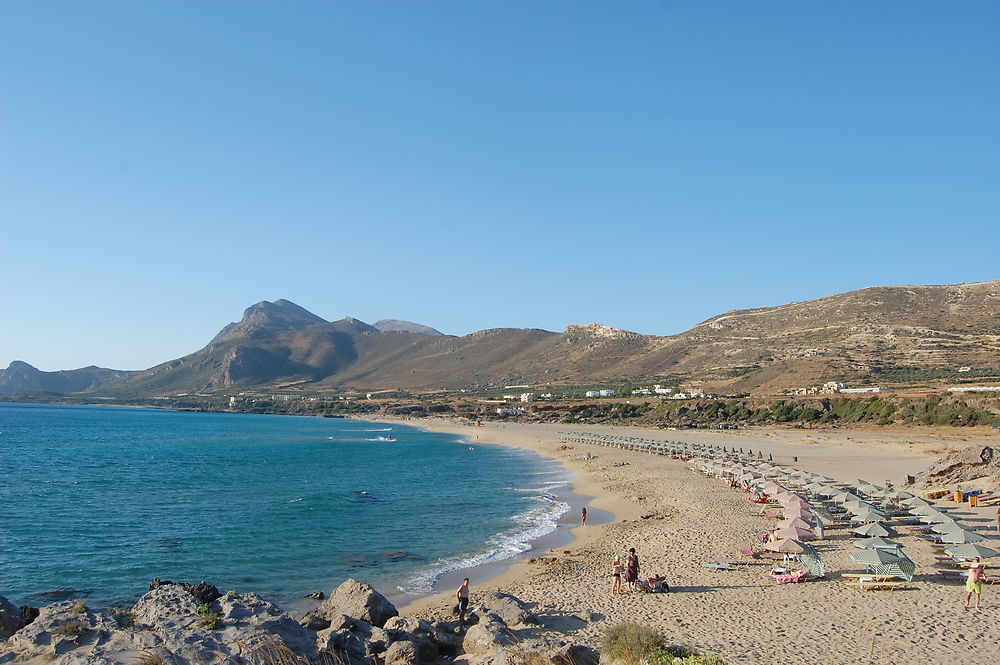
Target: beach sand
x=677, y=520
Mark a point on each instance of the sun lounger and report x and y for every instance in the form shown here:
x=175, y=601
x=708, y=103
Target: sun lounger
x=789, y=578
x=742, y=562
x=719, y=565
x=873, y=584
x=953, y=575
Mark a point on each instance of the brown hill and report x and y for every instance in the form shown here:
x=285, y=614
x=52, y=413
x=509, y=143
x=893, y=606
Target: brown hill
x=874, y=335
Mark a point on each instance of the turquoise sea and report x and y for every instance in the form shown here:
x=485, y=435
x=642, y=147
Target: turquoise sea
x=96, y=501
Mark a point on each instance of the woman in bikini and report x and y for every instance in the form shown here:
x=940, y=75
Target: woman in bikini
x=616, y=576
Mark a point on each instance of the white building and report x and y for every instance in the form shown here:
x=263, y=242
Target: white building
x=528, y=397
x=660, y=390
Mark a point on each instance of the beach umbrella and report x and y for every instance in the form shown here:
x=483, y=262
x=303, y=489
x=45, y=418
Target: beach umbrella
x=794, y=533
x=786, y=546
x=923, y=509
x=875, y=557
x=841, y=497
x=828, y=491
x=796, y=521
x=914, y=501
x=869, y=515
x=813, y=562
x=972, y=550
x=871, y=529
x=961, y=536
x=876, y=543
x=945, y=527
x=796, y=510
x=936, y=518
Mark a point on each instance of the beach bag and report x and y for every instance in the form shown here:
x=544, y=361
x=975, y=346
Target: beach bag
x=661, y=587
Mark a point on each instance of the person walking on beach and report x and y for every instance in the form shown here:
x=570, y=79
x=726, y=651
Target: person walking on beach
x=463, y=599
x=974, y=585
x=631, y=569
x=616, y=576
x=583, y=516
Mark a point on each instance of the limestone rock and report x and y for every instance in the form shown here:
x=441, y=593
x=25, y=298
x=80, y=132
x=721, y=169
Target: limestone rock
x=488, y=635
x=398, y=626
x=355, y=599
x=510, y=609
x=403, y=652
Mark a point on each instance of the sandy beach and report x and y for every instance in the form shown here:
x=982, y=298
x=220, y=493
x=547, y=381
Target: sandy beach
x=677, y=520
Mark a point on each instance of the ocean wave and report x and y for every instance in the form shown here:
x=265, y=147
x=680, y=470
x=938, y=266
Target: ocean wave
x=384, y=429
x=532, y=524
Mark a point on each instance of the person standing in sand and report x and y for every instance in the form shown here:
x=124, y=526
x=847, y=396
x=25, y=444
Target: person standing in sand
x=583, y=516
x=616, y=576
x=631, y=569
x=974, y=585
x=463, y=599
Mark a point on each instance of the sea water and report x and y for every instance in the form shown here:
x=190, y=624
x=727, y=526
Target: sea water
x=96, y=501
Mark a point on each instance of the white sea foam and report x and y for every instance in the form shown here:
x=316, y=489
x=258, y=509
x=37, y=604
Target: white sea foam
x=384, y=429
x=532, y=524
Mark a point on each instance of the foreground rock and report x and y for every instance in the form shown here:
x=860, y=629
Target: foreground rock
x=354, y=599
x=184, y=624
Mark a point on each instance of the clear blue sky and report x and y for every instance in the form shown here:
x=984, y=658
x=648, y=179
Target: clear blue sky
x=480, y=164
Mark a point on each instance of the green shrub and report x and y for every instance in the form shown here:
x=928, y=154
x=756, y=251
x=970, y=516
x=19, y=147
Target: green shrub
x=632, y=643
x=210, y=619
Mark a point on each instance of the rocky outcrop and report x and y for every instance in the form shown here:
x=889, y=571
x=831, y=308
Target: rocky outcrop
x=184, y=624
x=355, y=599
x=976, y=463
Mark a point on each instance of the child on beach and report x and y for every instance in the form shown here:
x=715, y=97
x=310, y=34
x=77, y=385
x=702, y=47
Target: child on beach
x=616, y=575
x=974, y=585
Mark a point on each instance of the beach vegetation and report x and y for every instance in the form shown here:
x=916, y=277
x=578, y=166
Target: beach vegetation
x=208, y=618
x=70, y=629
x=150, y=658
x=80, y=606
x=634, y=644
x=124, y=617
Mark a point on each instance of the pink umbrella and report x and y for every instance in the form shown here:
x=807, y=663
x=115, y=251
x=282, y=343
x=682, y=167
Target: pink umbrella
x=787, y=546
x=795, y=521
x=794, y=532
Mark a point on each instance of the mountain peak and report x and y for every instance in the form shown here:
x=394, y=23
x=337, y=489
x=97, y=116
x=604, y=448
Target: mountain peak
x=397, y=325
x=280, y=314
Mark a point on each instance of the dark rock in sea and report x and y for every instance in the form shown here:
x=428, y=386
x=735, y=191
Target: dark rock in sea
x=355, y=599
x=400, y=555
x=315, y=595
x=62, y=593
x=10, y=618
x=28, y=614
x=202, y=591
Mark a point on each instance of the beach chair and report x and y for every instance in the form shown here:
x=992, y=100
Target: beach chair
x=789, y=578
x=747, y=551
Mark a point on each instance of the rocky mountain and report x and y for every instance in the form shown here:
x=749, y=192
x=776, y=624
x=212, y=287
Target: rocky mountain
x=20, y=377
x=874, y=335
x=395, y=325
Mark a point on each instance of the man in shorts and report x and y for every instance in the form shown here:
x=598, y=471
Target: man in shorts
x=974, y=585
x=463, y=599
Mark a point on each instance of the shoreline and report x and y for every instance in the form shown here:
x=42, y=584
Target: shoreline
x=678, y=520
x=579, y=492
